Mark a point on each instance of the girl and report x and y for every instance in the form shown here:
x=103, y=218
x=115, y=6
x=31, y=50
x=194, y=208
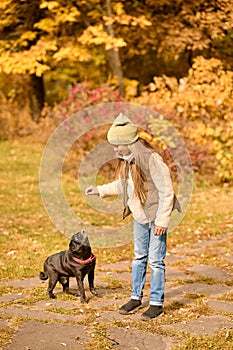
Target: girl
x=145, y=182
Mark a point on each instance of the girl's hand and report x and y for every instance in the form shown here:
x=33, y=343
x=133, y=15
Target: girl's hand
x=159, y=230
x=91, y=190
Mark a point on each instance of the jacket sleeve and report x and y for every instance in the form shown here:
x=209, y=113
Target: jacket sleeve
x=110, y=189
x=162, y=180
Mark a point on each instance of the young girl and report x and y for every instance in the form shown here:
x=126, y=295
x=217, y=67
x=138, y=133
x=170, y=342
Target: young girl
x=145, y=182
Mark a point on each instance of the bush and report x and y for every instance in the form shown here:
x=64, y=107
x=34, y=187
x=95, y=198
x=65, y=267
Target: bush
x=200, y=107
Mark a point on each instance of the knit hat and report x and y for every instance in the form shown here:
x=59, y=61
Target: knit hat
x=122, y=131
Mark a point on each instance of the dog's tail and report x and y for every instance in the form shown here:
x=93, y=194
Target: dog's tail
x=43, y=276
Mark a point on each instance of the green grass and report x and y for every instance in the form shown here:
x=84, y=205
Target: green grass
x=13, y=325
x=228, y=297
x=26, y=233
x=100, y=339
x=209, y=214
x=63, y=311
x=6, y=335
x=223, y=340
x=5, y=290
x=113, y=283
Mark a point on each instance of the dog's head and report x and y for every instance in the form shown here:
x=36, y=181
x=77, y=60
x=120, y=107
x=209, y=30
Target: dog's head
x=80, y=245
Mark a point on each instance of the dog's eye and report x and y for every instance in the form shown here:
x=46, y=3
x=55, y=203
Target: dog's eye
x=76, y=242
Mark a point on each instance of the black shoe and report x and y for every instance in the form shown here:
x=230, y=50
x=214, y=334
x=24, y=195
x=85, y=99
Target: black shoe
x=152, y=312
x=130, y=306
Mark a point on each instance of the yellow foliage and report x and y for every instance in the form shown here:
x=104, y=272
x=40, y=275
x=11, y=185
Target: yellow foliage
x=61, y=14
x=108, y=20
x=194, y=27
x=131, y=88
x=126, y=19
x=118, y=8
x=49, y=4
x=24, y=39
x=98, y=36
x=72, y=53
x=4, y=4
x=123, y=19
x=4, y=46
x=68, y=15
x=46, y=24
x=30, y=61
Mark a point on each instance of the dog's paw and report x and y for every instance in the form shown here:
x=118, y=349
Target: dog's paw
x=75, y=294
x=83, y=301
x=93, y=291
x=52, y=296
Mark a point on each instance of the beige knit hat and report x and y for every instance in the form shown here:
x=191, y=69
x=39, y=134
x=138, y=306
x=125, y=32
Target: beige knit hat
x=122, y=131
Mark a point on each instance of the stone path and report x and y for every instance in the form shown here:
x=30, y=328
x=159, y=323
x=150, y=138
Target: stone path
x=198, y=303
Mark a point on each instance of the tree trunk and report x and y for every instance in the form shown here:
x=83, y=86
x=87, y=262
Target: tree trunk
x=37, y=97
x=113, y=56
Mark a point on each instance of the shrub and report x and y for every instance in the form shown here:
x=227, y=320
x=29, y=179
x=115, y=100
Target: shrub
x=200, y=107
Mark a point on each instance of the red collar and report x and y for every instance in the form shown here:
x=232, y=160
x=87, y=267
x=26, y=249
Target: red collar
x=85, y=262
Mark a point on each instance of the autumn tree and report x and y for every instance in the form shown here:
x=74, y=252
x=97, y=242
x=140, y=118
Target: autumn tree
x=88, y=39
x=180, y=30
x=30, y=32
x=38, y=36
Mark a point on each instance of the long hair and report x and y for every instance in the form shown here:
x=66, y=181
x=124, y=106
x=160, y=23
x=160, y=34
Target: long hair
x=138, y=176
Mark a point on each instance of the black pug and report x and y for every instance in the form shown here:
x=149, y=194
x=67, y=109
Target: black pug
x=75, y=262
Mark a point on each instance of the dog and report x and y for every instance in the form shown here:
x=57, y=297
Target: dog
x=78, y=261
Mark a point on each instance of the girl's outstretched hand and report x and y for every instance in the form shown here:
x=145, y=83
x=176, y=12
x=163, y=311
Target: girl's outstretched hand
x=91, y=190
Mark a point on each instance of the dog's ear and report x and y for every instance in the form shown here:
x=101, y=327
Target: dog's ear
x=84, y=238
x=76, y=238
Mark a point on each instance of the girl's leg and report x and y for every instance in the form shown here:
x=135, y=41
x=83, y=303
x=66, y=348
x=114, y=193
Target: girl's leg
x=157, y=253
x=141, y=250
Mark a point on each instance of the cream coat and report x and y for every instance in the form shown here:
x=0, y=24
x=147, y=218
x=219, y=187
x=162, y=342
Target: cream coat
x=159, y=205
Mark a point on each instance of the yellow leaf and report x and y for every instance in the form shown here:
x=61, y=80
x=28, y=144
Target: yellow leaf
x=46, y=24
x=49, y=4
x=118, y=8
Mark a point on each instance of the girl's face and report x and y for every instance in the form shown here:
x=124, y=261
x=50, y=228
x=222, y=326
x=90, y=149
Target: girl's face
x=122, y=150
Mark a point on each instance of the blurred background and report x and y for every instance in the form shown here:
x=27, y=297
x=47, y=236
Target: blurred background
x=175, y=57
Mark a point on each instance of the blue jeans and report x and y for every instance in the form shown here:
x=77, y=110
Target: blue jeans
x=152, y=249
